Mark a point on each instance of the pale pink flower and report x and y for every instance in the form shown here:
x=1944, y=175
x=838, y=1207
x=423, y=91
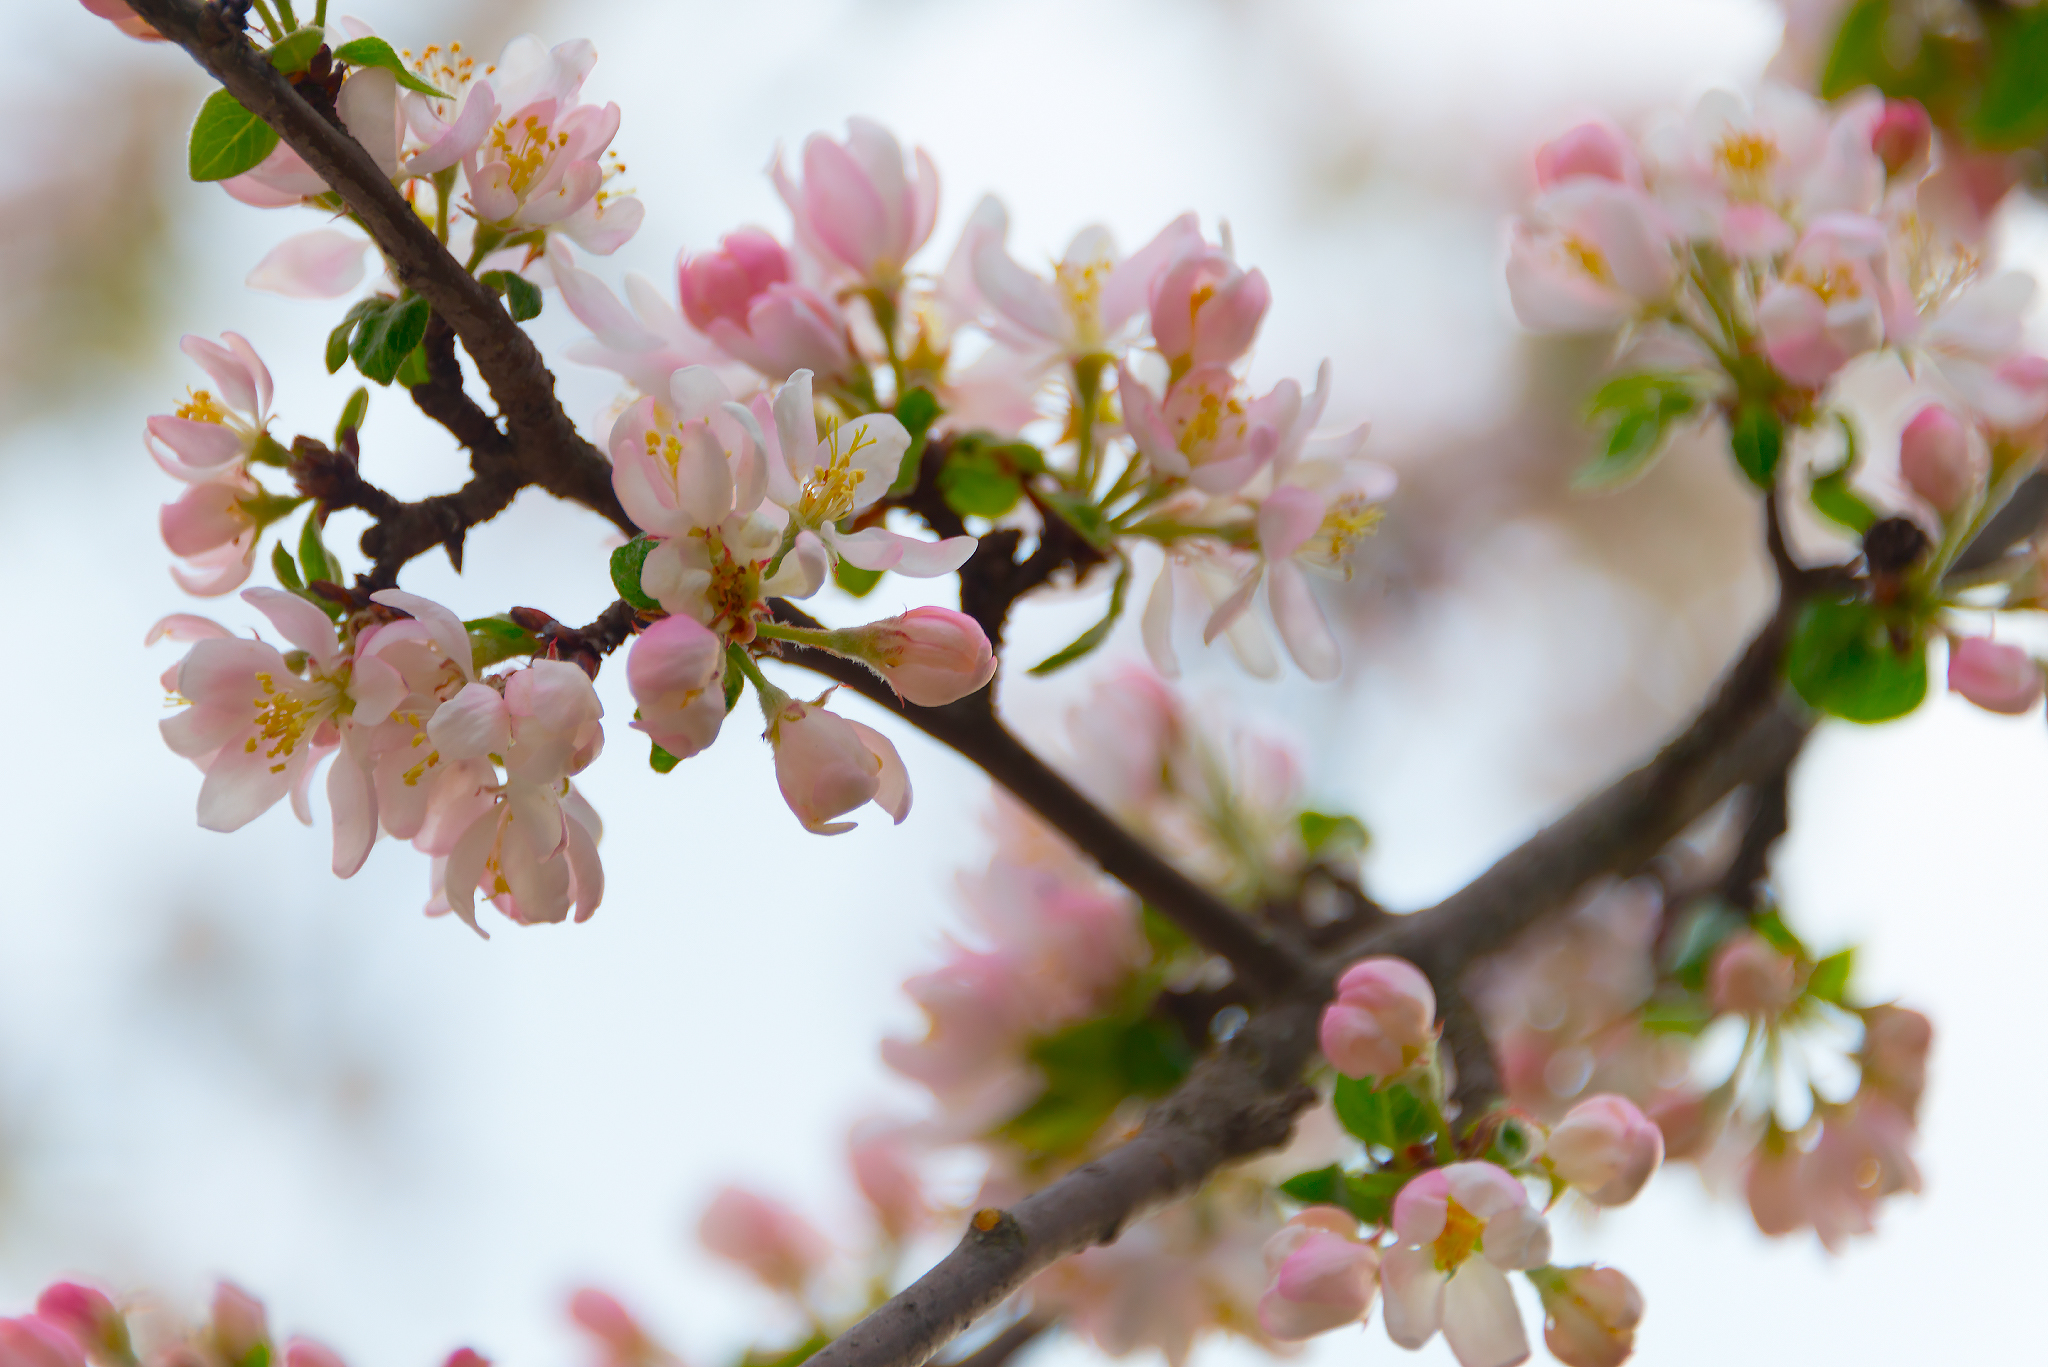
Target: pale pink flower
x=89, y=1316
x=1939, y=461
x=826, y=766
x=624, y=1341
x=1903, y=138
x=1597, y=149
x=1864, y=1154
x=1833, y=301
x=1606, y=1148
x=1589, y=254
x=1995, y=675
x=1205, y=311
x=537, y=165
x=931, y=656
x=780, y=1247
x=1204, y=431
x=1750, y=976
x=325, y=263
x=742, y=296
x=645, y=342
x=1591, y=1315
x=368, y=108
x=1972, y=341
x=821, y=482
x=859, y=208
x=33, y=1341
x=209, y=437
x=1748, y=172
x=305, y=1352
x=880, y=1156
x=1776, y=1186
x=1383, y=1021
x=213, y=529
x=1091, y=306
x=1896, y=1041
x=1461, y=1229
x=1322, y=1275
x=676, y=670
x=239, y=1324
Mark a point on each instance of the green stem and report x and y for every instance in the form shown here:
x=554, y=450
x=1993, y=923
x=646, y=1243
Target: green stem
x=845, y=643
x=285, y=17
x=883, y=303
x=1087, y=390
x=771, y=698
x=320, y=14
x=269, y=21
x=444, y=187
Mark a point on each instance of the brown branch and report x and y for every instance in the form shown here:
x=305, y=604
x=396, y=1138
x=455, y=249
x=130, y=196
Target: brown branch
x=546, y=448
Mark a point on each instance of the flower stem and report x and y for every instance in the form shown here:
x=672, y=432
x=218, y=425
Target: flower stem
x=771, y=698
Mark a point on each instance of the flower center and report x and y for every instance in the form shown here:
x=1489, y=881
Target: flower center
x=1206, y=423
x=1589, y=259
x=1834, y=282
x=1081, y=289
x=1349, y=521
x=1460, y=1239
x=525, y=145
x=445, y=69
x=1746, y=160
x=281, y=719
x=200, y=406
x=829, y=492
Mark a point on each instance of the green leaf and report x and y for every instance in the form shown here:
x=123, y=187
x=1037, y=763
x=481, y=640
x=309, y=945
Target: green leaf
x=1168, y=941
x=1675, y=1014
x=377, y=52
x=976, y=481
x=1339, y=835
x=338, y=340
x=855, y=581
x=1844, y=661
x=522, y=296
x=1701, y=936
x=1637, y=411
x=1390, y=1117
x=1369, y=1196
x=735, y=684
x=352, y=412
x=413, y=369
x=493, y=640
x=287, y=573
x=227, y=139
x=1084, y=516
x=1771, y=925
x=626, y=563
x=1834, y=500
x=1830, y=979
x=313, y=557
x=257, y=1356
x=294, y=52
x=1318, y=1188
x=1090, y=1069
x=1758, y=439
x=2012, y=104
x=917, y=410
x=385, y=339
x=661, y=760
x=1095, y=635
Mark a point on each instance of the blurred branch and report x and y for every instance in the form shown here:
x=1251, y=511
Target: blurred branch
x=1012, y=1340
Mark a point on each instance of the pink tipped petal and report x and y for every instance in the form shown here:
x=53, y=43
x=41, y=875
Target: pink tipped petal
x=322, y=264
x=444, y=626
x=892, y=781
x=1994, y=675
x=352, y=800
x=299, y=622
x=186, y=626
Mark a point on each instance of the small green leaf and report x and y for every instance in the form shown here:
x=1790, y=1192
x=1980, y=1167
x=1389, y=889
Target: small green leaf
x=735, y=684
x=1757, y=438
x=1168, y=941
x=287, y=573
x=2012, y=105
x=1369, y=1196
x=1834, y=500
x=294, y=52
x=660, y=760
x=1701, y=936
x=338, y=340
x=1675, y=1014
x=1339, y=835
x=855, y=581
x=1084, y=516
x=1391, y=1117
x=352, y=413
x=1830, y=979
x=1771, y=925
x=377, y=52
x=626, y=563
x=413, y=369
x=1318, y=1188
x=227, y=139
x=1843, y=660
x=386, y=338
x=1637, y=411
x=1095, y=635
x=313, y=557
x=493, y=640
x=522, y=296
x=976, y=481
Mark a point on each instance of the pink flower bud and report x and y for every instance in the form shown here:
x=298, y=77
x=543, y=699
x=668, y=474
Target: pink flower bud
x=1319, y=1275
x=725, y=282
x=886, y=1177
x=676, y=670
x=1775, y=1187
x=1591, y=149
x=1606, y=1148
x=625, y=1343
x=33, y=1341
x=1382, y=1021
x=1995, y=676
x=1751, y=977
x=304, y=1352
x=826, y=766
x=239, y=1324
x=1903, y=136
x=88, y=1315
x=466, y=1357
x=1938, y=461
x=1205, y=311
x=859, y=206
x=930, y=656
x=1896, y=1042
x=117, y=13
x=1592, y=1314
x=764, y=1236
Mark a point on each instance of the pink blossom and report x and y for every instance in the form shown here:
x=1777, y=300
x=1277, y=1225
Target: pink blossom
x=209, y=437
x=1595, y=149
x=33, y=1341
x=1606, y=1148
x=240, y=1325
x=1833, y=301
x=305, y=1352
x=1864, y=1154
x=1995, y=675
x=1775, y=1186
x=1938, y=460
x=89, y=1316
x=646, y=340
x=827, y=766
x=624, y=1341
x=766, y=1237
x=213, y=528
x=1093, y=301
x=322, y=264
x=858, y=207
x=1972, y=341
x=1321, y=1275
x=1750, y=976
x=1383, y=1020
x=883, y=1169
x=1461, y=1229
x=723, y=283
x=676, y=670
x=742, y=297
x=931, y=656
x=1204, y=431
x=1588, y=255
x=1896, y=1042
x=1205, y=311
x=1591, y=1315
x=368, y=109
x=1903, y=137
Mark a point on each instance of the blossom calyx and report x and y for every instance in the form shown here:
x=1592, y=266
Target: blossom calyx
x=1383, y=1020
x=1591, y=1314
x=1606, y=1148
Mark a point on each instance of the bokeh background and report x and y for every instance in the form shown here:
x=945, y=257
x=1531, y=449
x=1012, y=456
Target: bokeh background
x=217, y=1059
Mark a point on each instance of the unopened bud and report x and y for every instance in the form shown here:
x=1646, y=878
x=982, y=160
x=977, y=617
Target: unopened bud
x=1750, y=976
x=239, y=1324
x=1896, y=1041
x=1606, y=1148
x=1937, y=461
x=930, y=656
x=88, y=1315
x=1383, y=1020
x=1903, y=136
x=764, y=1236
x=1994, y=675
x=303, y=1352
x=1591, y=149
x=883, y=1171
x=1591, y=1314
x=1320, y=1275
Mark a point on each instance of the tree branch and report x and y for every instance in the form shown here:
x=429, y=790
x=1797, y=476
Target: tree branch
x=1011, y=1340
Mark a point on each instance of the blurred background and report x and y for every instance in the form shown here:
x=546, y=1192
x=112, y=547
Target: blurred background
x=215, y=1059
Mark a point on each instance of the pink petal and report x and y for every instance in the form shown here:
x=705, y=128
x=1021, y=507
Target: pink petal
x=322, y=264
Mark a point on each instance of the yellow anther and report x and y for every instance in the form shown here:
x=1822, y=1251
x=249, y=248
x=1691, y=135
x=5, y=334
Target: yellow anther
x=1460, y=1237
x=200, y=406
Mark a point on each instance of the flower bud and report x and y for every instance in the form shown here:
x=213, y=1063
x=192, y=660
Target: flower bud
x=1751, y=977
x=930, y=656
x=1591, y=149
x=625, y=1343
x=1205, y=311
x=826, y=766
x=1903, y=136
x=239, y=1324
x=1775, y=1187
x=1937, y=460
x=724, y=283
x=33, y=1341
x=1688, y=1124
x=466, y=1357
x=676, y=670
x=88, y=1315
x=1995, y=676
x=1606, y=1148
x=1319, y=1275
x=1591, y=1315
x=1382, y=1021
x=304, y=1352
x=883, y=1171
x=764, y=1236
x=1896, y=1041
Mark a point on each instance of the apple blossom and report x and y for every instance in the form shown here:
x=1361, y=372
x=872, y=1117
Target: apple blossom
x=826, y=766
x=33, y=1341
x=1606, y=1149
x=1591, y=1314
x=775, y=1243
x=1903, y=137
x=858, y=209
x=677, y=674
x=323, y=264
x=1383, y=1020
x=1938, y=460
x=1595, y=149
x=239, y=1326
x=931, y=656
x=1589, y=254
x=88, y=1314
x=1995, y=675
x=1750, y=976
x=1094, y=298
x=1896, y=1041
x=117, y=13
x=624, y=1341
x=1322, y=1275
x=304, y=1352
x=743, y=298
x=1205, y=311
x=880, y=1156
x=1775, y=1185
x=1833, y=301
x=1461, y=1229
